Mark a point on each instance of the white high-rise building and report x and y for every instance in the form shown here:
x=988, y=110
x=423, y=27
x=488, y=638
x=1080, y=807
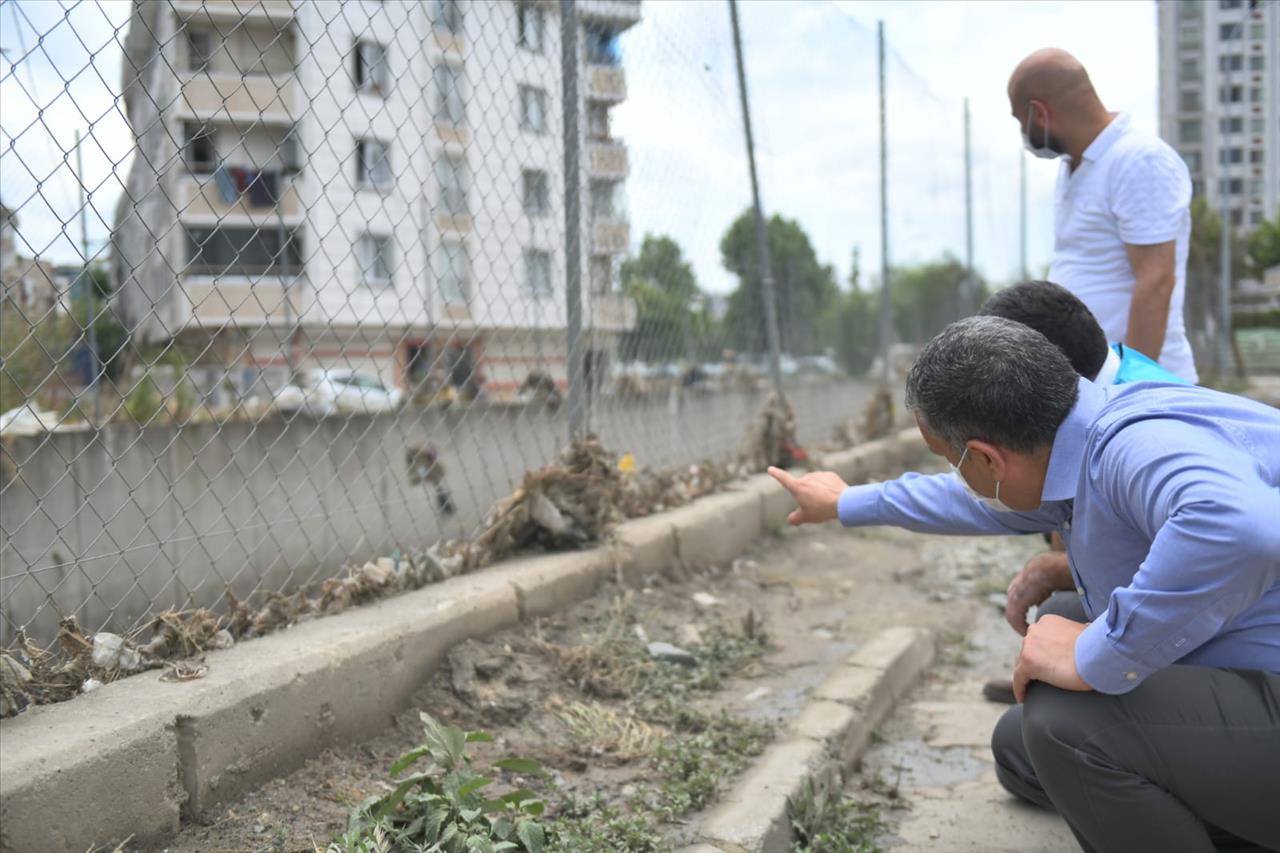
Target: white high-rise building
x=1220, y=100
x=370, y=185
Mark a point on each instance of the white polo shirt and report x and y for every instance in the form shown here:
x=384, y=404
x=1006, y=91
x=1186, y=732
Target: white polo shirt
x=1131, y=188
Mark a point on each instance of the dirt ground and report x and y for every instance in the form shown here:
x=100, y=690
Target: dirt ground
x=774, y=624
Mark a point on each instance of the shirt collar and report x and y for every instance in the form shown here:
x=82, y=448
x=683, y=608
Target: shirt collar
x=1110, y=368
x=1104, y=140
x=1067, y=455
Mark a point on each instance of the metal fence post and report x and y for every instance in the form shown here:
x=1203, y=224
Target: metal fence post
x=762, y=242
x=572, y=212
x=886, y=296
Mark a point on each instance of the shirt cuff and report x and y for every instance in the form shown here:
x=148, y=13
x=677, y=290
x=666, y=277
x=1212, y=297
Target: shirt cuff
x=1151, y=237
x=1103, y=667
x=859, y=506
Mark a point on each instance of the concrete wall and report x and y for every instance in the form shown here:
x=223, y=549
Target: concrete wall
x=103, y=526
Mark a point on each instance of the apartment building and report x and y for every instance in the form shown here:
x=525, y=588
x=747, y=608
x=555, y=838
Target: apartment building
x=1220, y=100
x=370, y=185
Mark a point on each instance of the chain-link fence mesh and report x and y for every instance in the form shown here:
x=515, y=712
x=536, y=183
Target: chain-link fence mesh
x=286, y=284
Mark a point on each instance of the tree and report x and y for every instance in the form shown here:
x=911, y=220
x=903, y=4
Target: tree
x=1200, y=301
x=662, y=284
x=1263, y=247
x=927, y=297
x=804, y=289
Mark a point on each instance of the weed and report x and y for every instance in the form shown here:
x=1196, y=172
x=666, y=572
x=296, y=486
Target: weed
x=955, y=649
x=600, y=730
x=442, y=808
x=596, y=825
x=691, y=768
x=827, y=820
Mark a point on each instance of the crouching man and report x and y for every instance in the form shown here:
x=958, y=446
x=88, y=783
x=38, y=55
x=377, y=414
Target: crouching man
x=1155, y=725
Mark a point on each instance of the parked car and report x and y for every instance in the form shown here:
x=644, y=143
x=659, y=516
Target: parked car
x=325, y=392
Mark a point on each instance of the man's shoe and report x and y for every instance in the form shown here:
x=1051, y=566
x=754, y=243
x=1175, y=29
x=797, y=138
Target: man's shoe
x=999, y=690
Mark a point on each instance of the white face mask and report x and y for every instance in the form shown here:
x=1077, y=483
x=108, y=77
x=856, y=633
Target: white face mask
x=1044, y=152
x=994, y=504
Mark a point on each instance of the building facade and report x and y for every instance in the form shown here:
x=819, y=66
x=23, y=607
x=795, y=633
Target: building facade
x=1220, y=100
x=369, y=185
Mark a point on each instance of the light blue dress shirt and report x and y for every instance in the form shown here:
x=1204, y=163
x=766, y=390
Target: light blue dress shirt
x=1168, y=498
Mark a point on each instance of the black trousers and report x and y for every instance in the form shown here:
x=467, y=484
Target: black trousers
x=1187, y=761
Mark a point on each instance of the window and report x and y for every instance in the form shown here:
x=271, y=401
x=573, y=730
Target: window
x=1189, y=101
x=1189, y=9
x=537, y=196
x=451, y=173
x=531, y=22
x=1257, y=125
x=449, y=103
x=454, y=273
x=1234, y=124
x=537, y=267
x=1231, y=155
x=1257, y=187
x=1255, y=156
x=603, y=199
x=1189, y=70
x=1255, y=217
x=1189, y=130
x=598, y=121
x=533, y=109
x=602, y=47
x=600, y=271
x=1257, y=31
x=243, y=251
x=1192, y=159
x=1230, y=4
x=1197, y=188
x=1189, y=35
x=198, y=148
x=1255, y=95
x=199, y=50
x=373, y=254
x=1257, y=62
x=447, y=15
x=1231, y=62
x=373, y=164
x=1237, y=216
x=1228, y=32
x=291, y=152
x=371, y=74
x=1235, y=186
x=1231, y=94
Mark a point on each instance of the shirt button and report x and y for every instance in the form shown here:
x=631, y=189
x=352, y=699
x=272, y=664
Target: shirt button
x=1079, y=590
x=1132, y=676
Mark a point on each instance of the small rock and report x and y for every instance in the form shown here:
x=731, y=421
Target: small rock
x=846, y=585
x=222, y=640
x=998, y=600
x=259, y=828
x=386, y=564
x=671, y=654
x=823, y=634
x=941, y=596
x=757, y=694
x=110, y=651
x=818, y=546
x=90, y=685
x=705, y=599
x=690, y=635
x=628, y=791
x=641, y=634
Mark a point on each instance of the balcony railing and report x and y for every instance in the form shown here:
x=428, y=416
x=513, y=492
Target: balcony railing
x=607, y=159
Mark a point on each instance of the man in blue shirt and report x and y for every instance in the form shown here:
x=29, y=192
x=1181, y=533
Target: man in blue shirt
x=1067, y=322
x=1155, y=725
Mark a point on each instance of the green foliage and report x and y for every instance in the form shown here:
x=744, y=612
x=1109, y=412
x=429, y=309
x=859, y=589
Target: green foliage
x=665, y=290
x=804, y=288
x=32, y=350
x=1263, y=247
x=1257, y=320
x=830, y=821
x=927, y=297
x=444, y=808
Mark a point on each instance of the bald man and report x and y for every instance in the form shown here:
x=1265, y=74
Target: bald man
x=1122, y=218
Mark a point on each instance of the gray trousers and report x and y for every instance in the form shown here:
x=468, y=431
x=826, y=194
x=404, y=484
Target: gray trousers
x=1187, y=761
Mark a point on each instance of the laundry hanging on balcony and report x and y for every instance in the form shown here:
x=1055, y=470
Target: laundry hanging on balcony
x=262, y=188
x=226, y=184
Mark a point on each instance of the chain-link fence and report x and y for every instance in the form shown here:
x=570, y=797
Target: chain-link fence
x=293, y=286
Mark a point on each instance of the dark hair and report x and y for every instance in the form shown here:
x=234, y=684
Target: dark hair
x=992, y=379
x=1059, y=315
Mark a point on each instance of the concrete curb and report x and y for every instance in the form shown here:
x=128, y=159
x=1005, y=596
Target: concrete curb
x=829, y=737
x=139, y=756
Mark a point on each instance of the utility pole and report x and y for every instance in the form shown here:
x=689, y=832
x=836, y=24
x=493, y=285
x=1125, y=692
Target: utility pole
x=1225, y=352
x=762, y=243
x=1022, y=213
x=572, y=211
x=970, y=302
x=886, y=301
x=88, y=288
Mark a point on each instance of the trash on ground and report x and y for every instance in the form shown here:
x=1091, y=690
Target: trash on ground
x=671, y=654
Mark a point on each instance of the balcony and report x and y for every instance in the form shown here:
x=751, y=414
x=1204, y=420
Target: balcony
x=612, y=312
x=251, y=304
x=205, y=203
x=606, y=83
x=610, y=236
x=234, y=11
x=620, y=14
x=607, y=159
x=250, y=97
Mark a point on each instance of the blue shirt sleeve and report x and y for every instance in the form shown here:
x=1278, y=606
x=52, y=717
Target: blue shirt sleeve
x=1215, y=550
x=937, y=503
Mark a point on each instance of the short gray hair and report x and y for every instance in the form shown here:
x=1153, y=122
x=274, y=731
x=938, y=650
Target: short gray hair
x=995, y=380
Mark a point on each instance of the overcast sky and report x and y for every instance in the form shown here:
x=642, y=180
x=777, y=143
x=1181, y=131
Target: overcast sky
x=812, y=77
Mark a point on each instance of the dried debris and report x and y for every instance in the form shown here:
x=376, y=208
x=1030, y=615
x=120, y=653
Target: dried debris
x=771, y=440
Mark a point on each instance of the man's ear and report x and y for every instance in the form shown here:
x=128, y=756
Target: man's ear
x=994, y=460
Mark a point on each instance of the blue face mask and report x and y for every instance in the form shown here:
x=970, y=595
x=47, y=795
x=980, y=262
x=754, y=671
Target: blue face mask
x=994, y=504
